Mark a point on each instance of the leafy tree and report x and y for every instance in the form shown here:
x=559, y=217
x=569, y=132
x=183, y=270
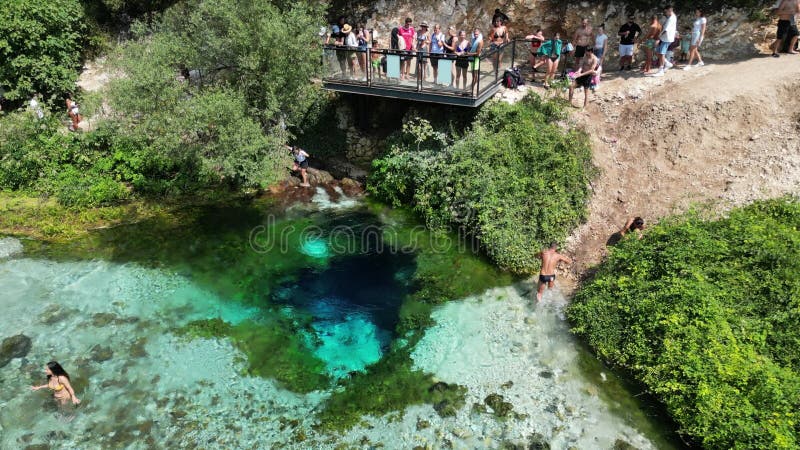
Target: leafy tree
x=40, y=47
x=516, y=181
x=707, y=315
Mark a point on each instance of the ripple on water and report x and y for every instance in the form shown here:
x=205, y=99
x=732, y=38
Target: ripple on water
x=9, y=246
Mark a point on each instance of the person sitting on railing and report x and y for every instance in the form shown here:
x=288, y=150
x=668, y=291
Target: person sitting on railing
x=476, y=47
x=423, y=46
x=462, y=60
x=437, y=48
x=536, y=60
x=498, y=36
x=407, y=33
x=450, y=46
x=551, y=49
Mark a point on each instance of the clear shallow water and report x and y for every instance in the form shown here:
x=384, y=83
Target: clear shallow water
x=112, y=322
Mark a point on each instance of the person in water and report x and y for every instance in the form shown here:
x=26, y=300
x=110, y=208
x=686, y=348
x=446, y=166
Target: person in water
x=301, y=164
x=547, y=276
x=58, y=382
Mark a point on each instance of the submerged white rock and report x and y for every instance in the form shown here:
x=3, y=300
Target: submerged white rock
x=10, y=246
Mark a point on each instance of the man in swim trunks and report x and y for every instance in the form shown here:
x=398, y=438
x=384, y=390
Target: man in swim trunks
x=584, y=38
x=547, y=276
x=586, y=71
x=628, y=34
x=787, y=26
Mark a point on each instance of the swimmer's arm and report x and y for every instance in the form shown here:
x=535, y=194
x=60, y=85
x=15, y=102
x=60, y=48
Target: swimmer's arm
x=565, y=258
x=68, y=387
x=36, y=388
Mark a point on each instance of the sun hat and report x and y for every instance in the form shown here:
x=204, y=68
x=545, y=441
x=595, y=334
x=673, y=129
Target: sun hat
x=424, y=24
x=347, y=28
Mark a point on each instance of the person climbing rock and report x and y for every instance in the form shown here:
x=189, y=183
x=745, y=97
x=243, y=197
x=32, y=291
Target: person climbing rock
x=547, y=275
x=635, y=224
x=301, y=164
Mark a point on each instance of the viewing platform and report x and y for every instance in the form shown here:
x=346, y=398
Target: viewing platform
x=377, y=72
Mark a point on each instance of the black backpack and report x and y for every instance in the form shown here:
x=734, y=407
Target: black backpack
x=512, y=79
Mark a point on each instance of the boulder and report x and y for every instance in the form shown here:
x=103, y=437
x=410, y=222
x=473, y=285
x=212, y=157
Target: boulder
x=498, y=404
x=14, y=347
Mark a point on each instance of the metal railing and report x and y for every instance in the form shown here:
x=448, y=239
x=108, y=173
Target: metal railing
x=417, y=71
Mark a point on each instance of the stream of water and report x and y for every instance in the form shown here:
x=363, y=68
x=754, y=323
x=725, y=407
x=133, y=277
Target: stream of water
x=114, y=308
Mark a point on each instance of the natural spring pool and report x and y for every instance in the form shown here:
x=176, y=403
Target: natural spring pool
x=239, y=327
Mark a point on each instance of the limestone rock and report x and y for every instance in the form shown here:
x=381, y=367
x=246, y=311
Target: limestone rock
x=14, y=347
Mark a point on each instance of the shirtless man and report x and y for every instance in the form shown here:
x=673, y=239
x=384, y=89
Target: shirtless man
x=550, y=259
x=583, y=77
x=787, y=25
x=584, y=38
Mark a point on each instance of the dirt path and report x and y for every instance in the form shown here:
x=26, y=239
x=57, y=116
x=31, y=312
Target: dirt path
x=723, y=135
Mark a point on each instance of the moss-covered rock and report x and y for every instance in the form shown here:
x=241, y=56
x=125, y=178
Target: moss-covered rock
x=500, y=407
x=14, y=347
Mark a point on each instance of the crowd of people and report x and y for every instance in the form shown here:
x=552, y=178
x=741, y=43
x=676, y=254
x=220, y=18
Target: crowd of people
x=662, y=43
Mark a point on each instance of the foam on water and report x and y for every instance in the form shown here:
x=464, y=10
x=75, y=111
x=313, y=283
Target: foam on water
x=316, y=248
x=323, y=200
x=9, y=246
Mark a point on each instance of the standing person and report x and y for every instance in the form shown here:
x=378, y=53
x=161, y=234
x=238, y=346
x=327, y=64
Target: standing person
x=551, y=50
x=787, y=26
x=476, y=47
x=498, y=36
x=338, y=36
x=74, y=114
x=423, y=46
x=351, y=42
x=58, y=381
x=650, y=39
x=583, y=38
x=301, y=164
x=600, y=43
x=666, y=38
x=547, y=275
x=462, y=61
x=536, y=61
x=36, y=107
x=500, y=15
x=629, y=32
x=584, y=75
x=437, y=48
x=685, y=45
x=407, y=34
x=698, y=34
x=362, y=39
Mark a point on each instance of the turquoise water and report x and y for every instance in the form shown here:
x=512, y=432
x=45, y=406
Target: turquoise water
x=231, y=328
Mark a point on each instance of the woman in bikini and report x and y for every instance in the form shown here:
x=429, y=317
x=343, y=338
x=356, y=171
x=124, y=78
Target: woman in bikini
x=650, y=42
x=536, y=60
x=58, y=382
x=462, y=62
x=551, y=49
x=498, y=37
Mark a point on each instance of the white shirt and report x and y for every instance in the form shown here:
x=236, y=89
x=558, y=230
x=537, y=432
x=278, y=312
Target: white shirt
x=351, y=40
x=697, y=27
x=600, y=40
x=670, y=27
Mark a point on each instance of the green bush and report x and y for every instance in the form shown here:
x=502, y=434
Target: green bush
x=515, y=181
x=707, y=315
x=40, y=47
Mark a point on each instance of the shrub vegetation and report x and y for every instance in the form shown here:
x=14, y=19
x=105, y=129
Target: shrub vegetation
x=515, y=181
x=707, y=315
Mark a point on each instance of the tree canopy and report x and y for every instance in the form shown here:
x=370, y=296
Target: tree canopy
x=40, y=47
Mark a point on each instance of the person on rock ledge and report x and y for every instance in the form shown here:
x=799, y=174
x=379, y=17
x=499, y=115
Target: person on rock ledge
x=301, y=164
x=547, y=275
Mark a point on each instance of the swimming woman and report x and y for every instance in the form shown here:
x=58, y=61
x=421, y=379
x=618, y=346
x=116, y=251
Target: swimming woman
x=58, y=382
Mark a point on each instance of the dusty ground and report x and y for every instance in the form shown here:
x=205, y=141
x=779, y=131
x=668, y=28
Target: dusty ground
x=722, y=135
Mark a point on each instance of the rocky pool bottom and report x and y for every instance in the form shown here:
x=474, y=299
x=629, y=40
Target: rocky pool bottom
x=118, y=325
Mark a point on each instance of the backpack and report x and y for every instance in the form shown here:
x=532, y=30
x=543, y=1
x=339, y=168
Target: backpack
x=512, y=79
